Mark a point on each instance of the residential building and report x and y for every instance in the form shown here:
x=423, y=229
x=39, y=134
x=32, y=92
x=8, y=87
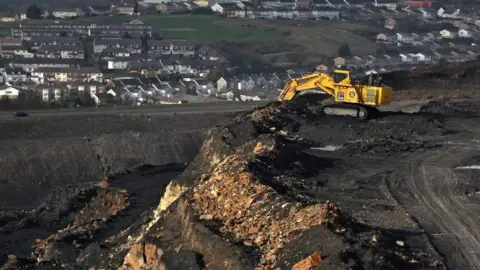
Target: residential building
x=287, y=4
x=133, y=46
x=8, y=17
x=326, y=12
x=61, y=52
x=418, y=3
x=23, y=52
x=37, y=41
x=390, y=23
x=127, y=10
x=9, y=41
x=15, y=75
x=319, y=3
x=8, y=52
x=120, y=63
x=172, y=47
x=144, y=66
x=338, y=4
x=67, y=12
x=390, y=4
x=101, y=10
x=303, y=4
x=222, y=85
x=463, y=33
x=26, y=31
x=405, y=38
x=339, y=61
x=447, y=34
x=84, y=74
x=441, y=12
x=9, y=91
x=111, y=53
x=381, y=37
x=30, y=65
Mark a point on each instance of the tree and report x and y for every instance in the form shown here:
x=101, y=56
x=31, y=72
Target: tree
x=5, y=102
x=33, y=96
x=22, y=96
x=344, y=50
x=202, y=11
x=135, y=8
x=127, y=35
x=34, y=12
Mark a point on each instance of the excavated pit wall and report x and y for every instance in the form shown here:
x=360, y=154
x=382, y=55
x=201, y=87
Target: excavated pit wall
x=40, y=155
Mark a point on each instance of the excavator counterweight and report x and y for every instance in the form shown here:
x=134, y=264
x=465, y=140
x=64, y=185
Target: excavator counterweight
x=357, y=100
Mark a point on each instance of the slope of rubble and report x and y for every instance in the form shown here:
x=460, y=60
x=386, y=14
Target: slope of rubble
x=285, y=187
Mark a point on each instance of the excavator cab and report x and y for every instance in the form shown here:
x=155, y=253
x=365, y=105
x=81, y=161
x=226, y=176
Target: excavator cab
x=341, y=77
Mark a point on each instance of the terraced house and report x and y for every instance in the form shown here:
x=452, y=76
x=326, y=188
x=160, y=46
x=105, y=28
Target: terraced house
x=38, y=41
x=133, y=46
x=81, y=29
x=172, y=47
x=83, y=74
x=61, y=52
x=30, y=65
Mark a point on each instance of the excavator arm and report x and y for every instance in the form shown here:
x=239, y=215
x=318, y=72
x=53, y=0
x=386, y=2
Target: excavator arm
x=315, y=83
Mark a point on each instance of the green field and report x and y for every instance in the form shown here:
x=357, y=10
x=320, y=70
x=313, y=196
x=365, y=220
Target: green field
x=5, y=32
x=193, y=27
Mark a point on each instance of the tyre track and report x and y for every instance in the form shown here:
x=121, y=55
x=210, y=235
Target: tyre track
x=431, y=181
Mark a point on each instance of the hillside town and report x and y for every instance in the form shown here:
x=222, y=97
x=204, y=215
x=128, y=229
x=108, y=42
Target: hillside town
x=60, y=60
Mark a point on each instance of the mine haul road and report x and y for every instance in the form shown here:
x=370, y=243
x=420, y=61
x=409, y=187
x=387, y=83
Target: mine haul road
x=442, y=197
x=432, y=178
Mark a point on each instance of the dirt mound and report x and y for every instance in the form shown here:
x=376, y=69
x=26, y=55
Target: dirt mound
x=452, y=107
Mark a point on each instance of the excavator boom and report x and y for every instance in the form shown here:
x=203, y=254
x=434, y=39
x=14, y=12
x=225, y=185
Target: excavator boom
x=356, y=100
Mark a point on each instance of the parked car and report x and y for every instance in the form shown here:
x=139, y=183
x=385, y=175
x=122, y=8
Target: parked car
x=20, y=114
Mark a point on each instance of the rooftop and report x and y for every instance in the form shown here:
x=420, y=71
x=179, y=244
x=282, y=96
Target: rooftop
x=111, y=42
x=83, y=70
x=171, y=42
x=58, y=48
x=56, y=39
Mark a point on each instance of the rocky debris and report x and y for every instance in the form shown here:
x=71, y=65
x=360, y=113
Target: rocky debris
x=106, y=204
x=143, y=256
x=389, y=145
x=450, y=107
x=309, y=263
x=257, y=214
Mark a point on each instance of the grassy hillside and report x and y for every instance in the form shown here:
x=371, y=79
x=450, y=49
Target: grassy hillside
x=194, y=27
x=282, y=42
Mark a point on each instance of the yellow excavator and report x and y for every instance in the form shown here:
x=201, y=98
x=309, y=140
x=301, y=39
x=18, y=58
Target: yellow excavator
x=351, y=99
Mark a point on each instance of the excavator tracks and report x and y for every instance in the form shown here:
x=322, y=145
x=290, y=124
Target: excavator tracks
x=361, y=112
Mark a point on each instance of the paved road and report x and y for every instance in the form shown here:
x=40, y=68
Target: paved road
x=165, y=110
x=406, y=106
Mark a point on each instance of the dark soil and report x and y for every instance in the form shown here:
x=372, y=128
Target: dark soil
x=70, y=205
x=262, y=193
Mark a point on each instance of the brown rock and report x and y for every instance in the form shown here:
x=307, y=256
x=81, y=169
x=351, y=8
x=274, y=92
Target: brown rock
x=309, y=263
x=12, y=257
x=143, y=256
x=248, y=243
x=206, y=217
x=253, y=230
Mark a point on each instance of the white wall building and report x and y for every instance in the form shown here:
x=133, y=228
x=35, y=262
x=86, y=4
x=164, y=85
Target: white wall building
x=463, y=33
x=9, y=92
